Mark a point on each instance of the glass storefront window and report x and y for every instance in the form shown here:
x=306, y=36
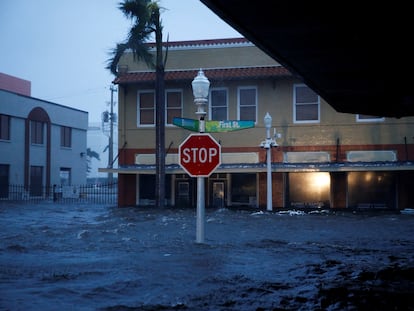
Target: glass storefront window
x=371, y=189
x=309, y=189
x=243, y=188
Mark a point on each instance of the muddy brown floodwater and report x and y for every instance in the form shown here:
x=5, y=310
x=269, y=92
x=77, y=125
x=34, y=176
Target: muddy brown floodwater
x=94, y=257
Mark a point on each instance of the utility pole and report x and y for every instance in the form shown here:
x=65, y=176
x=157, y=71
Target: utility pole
x=111, y=136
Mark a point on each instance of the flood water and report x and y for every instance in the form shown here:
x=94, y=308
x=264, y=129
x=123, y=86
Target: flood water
x=94, y=257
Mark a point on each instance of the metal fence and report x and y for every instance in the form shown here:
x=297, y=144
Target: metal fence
x=100, y=194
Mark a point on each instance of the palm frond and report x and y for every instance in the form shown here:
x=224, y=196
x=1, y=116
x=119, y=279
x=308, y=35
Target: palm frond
x=137, y=43
x=92, y=154
x=116, y=53
x=136, y=10
x=141, y=12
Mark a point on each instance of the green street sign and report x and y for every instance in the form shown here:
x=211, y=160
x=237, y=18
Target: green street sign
x=227, y=125
x=189, y=124
x=214, y=126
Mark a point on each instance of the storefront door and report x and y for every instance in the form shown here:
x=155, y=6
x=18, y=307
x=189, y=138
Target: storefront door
x=184, y=193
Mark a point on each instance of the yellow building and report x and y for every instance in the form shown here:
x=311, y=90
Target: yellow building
x=324, y=159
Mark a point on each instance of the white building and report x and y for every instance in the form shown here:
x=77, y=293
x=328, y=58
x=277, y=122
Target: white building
x=42, y=144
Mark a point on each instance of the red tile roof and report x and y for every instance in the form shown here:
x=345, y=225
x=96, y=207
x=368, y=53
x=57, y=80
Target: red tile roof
x=212, y=74
x=240, y=40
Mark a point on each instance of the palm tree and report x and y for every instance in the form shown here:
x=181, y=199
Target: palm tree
x=145, y=15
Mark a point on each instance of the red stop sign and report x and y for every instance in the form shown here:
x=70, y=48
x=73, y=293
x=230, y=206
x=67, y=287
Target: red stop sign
x=199, y=155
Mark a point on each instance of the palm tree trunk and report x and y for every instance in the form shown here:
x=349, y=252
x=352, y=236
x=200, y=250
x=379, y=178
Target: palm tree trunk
x=160, y=118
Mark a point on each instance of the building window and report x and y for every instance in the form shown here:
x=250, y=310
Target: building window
x=147, y=195
x=36, y=180
x=65, y=176
x=218, y=104
x=36, y=132
x=371, y=189
x=306, y=104
x=247, y=99
x=146, y=108
x=173, y=105
x=368, y=118
x=65, y=136
x=4, y=180
x=243, y=188
x=309, y=190
x=4, y=127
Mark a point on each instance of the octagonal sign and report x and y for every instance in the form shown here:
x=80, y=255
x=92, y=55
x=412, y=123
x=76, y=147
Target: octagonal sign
x=199, y=155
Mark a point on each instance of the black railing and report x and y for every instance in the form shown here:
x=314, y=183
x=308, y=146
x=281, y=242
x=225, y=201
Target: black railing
x=100, y=194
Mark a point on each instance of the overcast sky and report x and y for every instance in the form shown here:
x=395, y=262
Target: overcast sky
x=62, y=46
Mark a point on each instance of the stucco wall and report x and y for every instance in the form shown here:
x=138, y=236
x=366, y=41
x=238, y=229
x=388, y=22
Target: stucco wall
x=18, y=107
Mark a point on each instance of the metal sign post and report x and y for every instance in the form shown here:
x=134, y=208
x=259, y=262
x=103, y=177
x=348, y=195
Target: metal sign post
x=200, y=87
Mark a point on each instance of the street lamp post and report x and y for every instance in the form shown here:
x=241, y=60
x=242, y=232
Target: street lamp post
x=268, y=144
x=200, y=87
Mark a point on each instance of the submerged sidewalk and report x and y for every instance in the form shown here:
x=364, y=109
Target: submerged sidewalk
x=92, y=257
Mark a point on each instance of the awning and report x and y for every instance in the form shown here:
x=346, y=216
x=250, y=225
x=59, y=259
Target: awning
x=276, y=167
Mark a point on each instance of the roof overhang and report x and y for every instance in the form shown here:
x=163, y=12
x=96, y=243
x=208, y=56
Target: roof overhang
x=276, y=168
x=358, y=57
x=217, y=74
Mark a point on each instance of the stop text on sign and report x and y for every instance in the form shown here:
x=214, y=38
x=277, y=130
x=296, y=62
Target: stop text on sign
x=198, y=155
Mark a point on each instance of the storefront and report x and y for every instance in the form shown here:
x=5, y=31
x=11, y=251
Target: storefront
x=331, y=185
